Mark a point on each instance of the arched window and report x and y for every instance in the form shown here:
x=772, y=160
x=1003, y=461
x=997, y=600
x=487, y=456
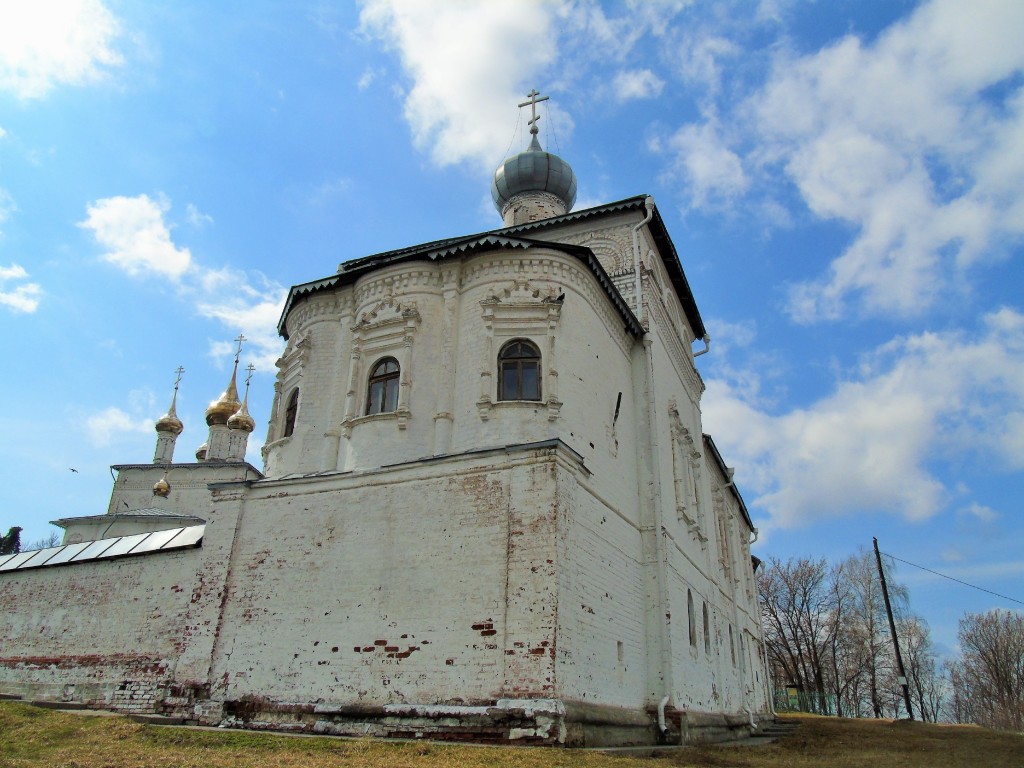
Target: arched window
x=290, y=412
x=691, y=618
x=707, y=631
x=519, y=371
x=382, y=396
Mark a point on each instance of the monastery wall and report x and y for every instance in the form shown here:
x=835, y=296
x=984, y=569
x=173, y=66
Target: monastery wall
x=107, y=632
x=431, y=583
x=602, y=645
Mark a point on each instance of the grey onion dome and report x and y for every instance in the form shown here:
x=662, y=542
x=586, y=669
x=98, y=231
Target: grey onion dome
x=534, y=171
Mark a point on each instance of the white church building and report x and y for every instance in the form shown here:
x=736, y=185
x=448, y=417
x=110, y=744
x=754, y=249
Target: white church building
x=488, y=511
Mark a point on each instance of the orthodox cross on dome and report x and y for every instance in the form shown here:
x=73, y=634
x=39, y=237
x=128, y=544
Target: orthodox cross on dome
x=177, y=381
x=238, y=352
x=250, y=368
x=532, y=103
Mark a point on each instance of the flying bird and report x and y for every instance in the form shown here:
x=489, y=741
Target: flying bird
x=73, y=470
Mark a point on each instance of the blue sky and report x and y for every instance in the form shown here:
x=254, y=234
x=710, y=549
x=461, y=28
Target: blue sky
x=844, y=182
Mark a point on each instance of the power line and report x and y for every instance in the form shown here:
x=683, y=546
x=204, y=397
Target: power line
x=972, y=586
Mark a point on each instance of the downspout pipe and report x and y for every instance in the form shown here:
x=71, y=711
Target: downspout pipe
x=649, y=206
x=662, y=725
x=707, y=345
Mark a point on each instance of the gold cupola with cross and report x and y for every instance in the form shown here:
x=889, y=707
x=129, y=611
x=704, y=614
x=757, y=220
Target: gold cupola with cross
x=219, y=412
x=168, y=427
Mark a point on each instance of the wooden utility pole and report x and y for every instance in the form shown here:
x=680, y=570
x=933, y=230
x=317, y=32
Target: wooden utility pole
x=892, y=628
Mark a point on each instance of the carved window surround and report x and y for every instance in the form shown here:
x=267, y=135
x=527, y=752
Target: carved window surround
x=388, y=329
x=289, y=375
x=686, y=476
x=520, y=311
x=724, y=555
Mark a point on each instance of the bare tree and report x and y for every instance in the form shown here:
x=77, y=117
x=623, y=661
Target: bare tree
x=52, y=539
x=988, y=679
x=797, y=606
x=866, y=628
x=924, y=674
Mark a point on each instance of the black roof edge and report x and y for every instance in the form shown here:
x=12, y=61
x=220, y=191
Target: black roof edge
x=710, y=443
x=439, y=249
x=659, y=231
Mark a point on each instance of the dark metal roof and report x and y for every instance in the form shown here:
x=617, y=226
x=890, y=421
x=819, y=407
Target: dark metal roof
x=709, y=444
x=350, y=271
x=665, y=245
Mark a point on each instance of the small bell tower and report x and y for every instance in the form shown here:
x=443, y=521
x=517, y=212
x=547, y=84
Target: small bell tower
x=168, y=427
x=218, y=413
x=241, y=424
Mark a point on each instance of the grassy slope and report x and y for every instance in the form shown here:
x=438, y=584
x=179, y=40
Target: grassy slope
x=37, y=737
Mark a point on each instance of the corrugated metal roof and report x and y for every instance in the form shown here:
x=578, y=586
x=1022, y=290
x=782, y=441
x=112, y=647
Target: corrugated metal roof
x=119, y=546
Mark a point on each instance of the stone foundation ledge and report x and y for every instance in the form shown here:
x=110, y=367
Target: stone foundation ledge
x=549, y=722
x=707, y=727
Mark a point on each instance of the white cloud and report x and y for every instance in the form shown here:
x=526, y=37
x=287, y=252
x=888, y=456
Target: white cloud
x=196, y=217
x=899, y=139
x=366, y=79
x=140, y=243
x=868, y=446
x=914, y=141
x=22, y=298
x=138, y=239
x=469, y=64
x=637, y=84
x=713, y=173
x=13, y=272
x=45, y=43
x=698, y=54
x=247, y=309
x=7, y=206
x=112, y=422
x=981, y=512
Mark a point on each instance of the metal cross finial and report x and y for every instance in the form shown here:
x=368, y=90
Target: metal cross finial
x=532, y=103
x=177, y=381
x=238, y=352
x=250, y=368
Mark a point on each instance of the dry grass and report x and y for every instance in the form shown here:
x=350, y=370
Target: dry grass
x=37, y=737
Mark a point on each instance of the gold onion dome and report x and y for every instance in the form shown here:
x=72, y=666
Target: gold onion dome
x=241, y=418
x=224, y=407
x=170, y=422
x=162, y=488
